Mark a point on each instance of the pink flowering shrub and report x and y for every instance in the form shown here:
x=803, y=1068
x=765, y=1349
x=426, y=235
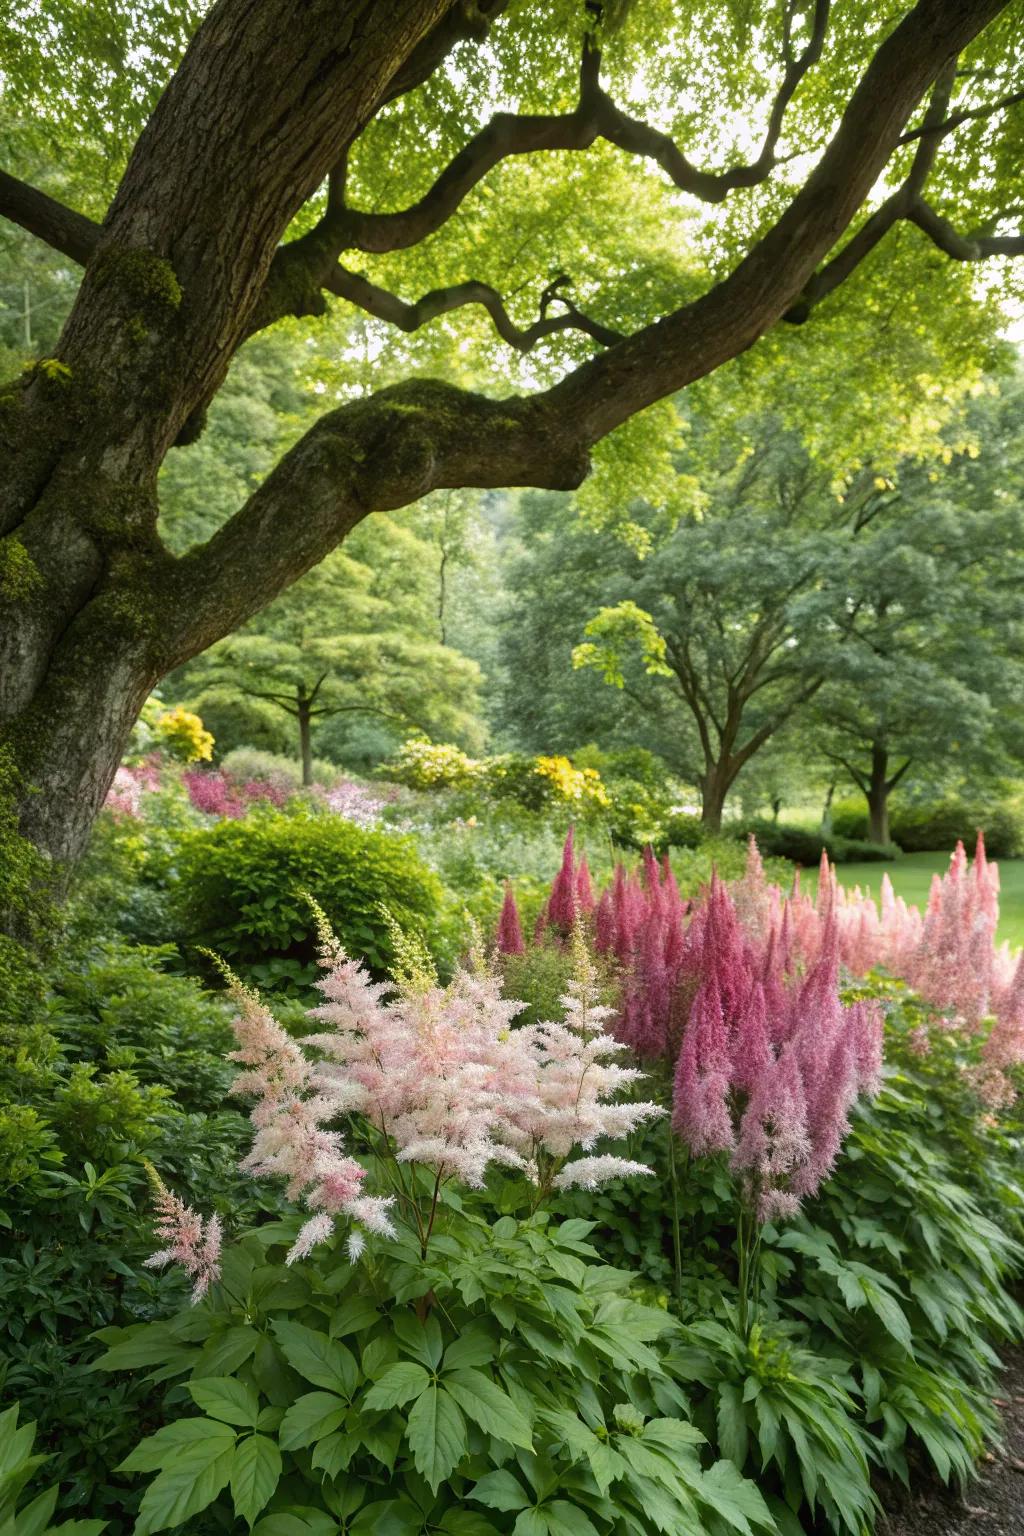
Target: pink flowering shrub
x=131, y=782
x=949, y=956
x=439, y=1078
x=219, y=795
x=353, y=801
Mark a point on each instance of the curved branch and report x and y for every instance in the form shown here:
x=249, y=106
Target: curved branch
x=387, y=306
x=59, y=227
x=989, y=109
x=392, y=448
x=897, y=206
x=595, y=117
x=959, y=247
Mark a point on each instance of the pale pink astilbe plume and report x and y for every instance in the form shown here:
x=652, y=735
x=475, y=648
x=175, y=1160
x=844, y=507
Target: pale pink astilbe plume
x=509, y=937
x=290, y=1118
x=758, y=903
x=1004, y=1047
x=189, y=1240
x=774, y=1139
x=577, y=1079
x=433, y=1069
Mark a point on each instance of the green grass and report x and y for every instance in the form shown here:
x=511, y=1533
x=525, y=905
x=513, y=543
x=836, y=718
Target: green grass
x=911, y=877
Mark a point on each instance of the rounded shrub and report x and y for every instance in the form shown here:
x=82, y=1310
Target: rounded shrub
x=242, y=885
x=940, y=824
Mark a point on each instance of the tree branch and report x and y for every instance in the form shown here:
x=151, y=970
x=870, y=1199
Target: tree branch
x=387, y=306
x=977, y=247
x=61, y=228
x=391, y=449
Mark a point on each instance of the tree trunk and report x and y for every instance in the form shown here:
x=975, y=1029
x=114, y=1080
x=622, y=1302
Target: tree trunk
x=304, y=714
x=878, y=794
x=713, y=790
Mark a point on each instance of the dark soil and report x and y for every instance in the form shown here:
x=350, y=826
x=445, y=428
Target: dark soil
x=991, y=1506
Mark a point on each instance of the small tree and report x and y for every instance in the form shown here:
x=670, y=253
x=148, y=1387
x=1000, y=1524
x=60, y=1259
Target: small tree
x=334, y=646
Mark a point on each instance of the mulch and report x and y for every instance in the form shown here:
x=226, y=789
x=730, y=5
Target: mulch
x=993, y=1505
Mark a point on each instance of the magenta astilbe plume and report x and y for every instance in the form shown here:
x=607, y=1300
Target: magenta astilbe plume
x=509, y=937
x=604, y=923
x=563, y=901
x=584, y=889
x=645, y=924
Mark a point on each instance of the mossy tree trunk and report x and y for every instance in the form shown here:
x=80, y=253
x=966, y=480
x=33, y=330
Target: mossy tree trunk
x=189, y=261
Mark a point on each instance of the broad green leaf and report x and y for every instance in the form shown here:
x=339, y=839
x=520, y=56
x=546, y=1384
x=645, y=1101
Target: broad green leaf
x=473, y=1347
x=436, y=1433
x=227, y=1398
x=157, y=1450
x=732, y=1423
x=309, y=1419
x=530, y=1523
x=227, y=1350
x=736, y=1498
x=422, y=1340
x=487, y=1405
x=399, y=1384
x=318, y=1358
x=185, y=1487
x=255, y=1474
x=34, y=1518
x=500, y=1490
x=565, y=1519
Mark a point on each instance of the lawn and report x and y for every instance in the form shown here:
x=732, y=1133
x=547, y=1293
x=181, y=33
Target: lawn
x=912, y=874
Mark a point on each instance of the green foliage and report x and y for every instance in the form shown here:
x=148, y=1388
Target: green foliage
x=920, y=828
x=17, y=1467
x=506, y=1381
x=127, y=1061
x=243, y=886
x=802, y=845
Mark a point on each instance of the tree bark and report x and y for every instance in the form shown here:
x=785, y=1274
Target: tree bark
x=878, y=795
x=714, y=788
x=303, y=713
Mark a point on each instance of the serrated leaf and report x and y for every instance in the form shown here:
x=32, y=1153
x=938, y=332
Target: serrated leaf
x=226, y=1398
x=186, y=1487
x=318, y=1358
x=399, y=1385
x=732, y=1423
x=157, y=1450
x=490, y=1407
x=310, y=1419
x=565, y=1519
x=255, y=1474
x=436, y=1433
x=500, y=1490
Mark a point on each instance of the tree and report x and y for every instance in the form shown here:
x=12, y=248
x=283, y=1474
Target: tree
x=933, y=671
x=730, y=625
x=333, y=646
x=253, y=187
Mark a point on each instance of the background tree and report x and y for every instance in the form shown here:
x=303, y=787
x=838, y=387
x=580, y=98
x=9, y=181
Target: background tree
x=297, y=133
x=351, y=639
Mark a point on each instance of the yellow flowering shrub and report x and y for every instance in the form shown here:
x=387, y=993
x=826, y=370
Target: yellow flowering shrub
x=184, y=736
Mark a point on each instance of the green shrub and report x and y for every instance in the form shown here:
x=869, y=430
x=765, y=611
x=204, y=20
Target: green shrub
x=685, y=829
x=804, y=846
x=505, y=1381
x=84, y=1094
x=546, y=783
x=17, y=1465
x=850, y=818
x=940, y=824
x=243, y=884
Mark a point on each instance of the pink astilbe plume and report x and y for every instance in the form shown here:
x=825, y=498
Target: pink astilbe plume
x=563, y=903
x=771, y=1063
x=509, y=937
x=189, y=1240
x=289, y=1117
x=643, y=925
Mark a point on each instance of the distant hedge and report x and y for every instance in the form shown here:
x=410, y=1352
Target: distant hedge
x=242, y=885
x=783, y=840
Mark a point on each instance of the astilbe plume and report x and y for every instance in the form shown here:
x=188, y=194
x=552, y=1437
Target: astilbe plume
x=218, y=794
x=131, y=782
x=770, y=1064
x=190, y=1241
x=509, y=937
x=949, y=956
